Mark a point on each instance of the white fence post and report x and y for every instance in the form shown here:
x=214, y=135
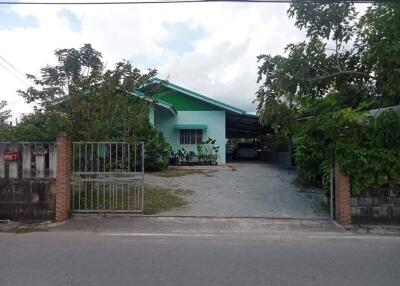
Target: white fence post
x=13, y=165
x=2, y=165
x=52, y=161
x=26, y=161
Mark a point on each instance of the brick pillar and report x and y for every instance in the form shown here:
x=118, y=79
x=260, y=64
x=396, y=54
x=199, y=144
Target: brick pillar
x=63, y=178
x=342, y=196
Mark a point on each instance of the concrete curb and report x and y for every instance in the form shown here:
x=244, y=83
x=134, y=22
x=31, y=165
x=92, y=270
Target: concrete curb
x=392, y=230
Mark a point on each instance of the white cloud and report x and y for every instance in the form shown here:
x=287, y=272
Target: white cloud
x=222, y=64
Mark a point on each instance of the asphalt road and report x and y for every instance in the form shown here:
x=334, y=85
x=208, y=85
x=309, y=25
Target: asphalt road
x=123, y=258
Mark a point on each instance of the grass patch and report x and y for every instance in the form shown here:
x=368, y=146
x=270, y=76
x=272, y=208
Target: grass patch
x=158, y=199
x=182, y=192
x=117, y=197
x=182, y=172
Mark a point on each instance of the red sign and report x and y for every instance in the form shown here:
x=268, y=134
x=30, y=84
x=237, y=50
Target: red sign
x=11, y=156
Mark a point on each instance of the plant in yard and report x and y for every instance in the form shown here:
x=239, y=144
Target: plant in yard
x=319, y=91
x=215, y=155
x=190, y=157
x=173, y=158
x=182, y=156
x=200, y=154
x=210, y=151
x=157, y=150
x=80, y=96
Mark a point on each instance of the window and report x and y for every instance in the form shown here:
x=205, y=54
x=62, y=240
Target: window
x=190, y=136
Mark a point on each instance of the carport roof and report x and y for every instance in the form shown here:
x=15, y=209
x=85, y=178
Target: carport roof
x=244, y=126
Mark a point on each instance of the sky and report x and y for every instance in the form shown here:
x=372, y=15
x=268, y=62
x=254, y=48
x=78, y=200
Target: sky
x=210, y=48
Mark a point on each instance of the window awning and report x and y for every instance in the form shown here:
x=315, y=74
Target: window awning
x=190, y=126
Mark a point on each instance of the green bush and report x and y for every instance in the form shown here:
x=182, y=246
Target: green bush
x=366, y=148
x=309, y=157
x=157, y=150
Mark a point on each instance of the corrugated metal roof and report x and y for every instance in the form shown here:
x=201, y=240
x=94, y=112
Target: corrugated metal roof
x=378, y=111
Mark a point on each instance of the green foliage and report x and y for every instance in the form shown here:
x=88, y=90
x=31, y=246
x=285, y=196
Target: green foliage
x=319, y=92
x=39, y=126
x=378, y=43
x=5, y=129
x=274, y=142
x=207, y=153
x=308, y=156
x=354, y=60
x=367, y=148
x=327, y=21
x=157, y=150
x=80, y=96
x=372, y=157
x=97, y=103
x=4, y=114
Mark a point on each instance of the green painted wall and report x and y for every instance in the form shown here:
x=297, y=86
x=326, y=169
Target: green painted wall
x=183, y=102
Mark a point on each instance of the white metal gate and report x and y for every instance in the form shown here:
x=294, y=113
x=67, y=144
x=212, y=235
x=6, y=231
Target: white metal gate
x=107, y=177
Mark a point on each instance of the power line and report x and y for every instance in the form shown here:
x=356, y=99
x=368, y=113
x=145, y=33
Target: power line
x=141, y=2
x=12, y=66
x=13, y=74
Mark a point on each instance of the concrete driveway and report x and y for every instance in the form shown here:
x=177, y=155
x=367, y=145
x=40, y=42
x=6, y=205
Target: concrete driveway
x=245, y=190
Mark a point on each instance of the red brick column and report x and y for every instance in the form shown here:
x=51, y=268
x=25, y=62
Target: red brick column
x=342, y=196
x=63, y=178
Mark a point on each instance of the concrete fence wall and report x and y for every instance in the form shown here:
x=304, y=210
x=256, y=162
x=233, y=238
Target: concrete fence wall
x=383, y=206
x=27, y=200
x=369, y=205
x=38, y=191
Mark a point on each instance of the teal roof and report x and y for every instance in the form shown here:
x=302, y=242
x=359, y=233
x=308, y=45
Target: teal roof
x=190, y=126
x=158, y=102
x=200, y=96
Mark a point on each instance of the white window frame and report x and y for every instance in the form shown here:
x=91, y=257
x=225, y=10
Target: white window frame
x=192, y=137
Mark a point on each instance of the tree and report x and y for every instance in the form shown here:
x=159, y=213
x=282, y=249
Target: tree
x=96, y=103
x=80, y=96
x=5, y=129
x=343, y=58
x=319, y=92
x=378, y=44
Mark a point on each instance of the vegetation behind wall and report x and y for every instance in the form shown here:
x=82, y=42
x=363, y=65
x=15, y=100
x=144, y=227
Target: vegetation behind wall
x=91, y=103
x=320, y=90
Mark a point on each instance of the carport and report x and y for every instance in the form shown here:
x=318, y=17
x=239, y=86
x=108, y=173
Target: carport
x=244, y=126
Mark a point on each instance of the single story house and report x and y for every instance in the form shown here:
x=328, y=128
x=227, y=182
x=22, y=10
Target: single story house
x=187, y=118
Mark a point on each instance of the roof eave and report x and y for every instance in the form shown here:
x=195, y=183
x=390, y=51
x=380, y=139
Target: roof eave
x=157, y=102
x=201, y=97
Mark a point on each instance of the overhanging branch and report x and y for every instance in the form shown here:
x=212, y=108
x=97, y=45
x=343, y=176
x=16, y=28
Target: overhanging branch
x=348, y=73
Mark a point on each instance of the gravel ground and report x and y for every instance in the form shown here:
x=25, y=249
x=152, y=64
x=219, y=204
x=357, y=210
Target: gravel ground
x=248, y=190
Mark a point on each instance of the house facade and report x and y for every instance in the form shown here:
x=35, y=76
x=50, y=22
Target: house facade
x=187, y=118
